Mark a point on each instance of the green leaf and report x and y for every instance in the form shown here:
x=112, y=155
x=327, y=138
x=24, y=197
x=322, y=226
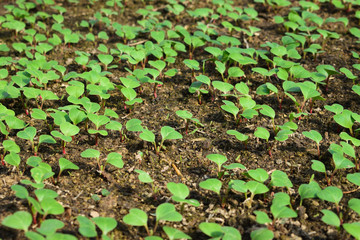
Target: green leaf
x=20, y=191
x=262, y=217
x=19, y=220
x=353, y=229
x=169, y=133
x=330, y=218
x=90, y=153
x=11, y=146
x=105, y=59
x=51, y=206
x=344, y=119
x=147, y=135
x=115, y=159
x=262, y=133
x=331, y=194
x=134, y=125
x=106, y=224
x=65, y=164
x=69, y=129
x=12, y=159
x=158, y=64
x=218, y=159
x=348, y=73
x=280, y=179
x=46, y=139
x=258, y=174
x=256, y=187
x=87, y=227
x=238, y=185
x=267, y=111
x=27, y=134
x=144, y=176
x=211, y=229
x=309, y=190
x=318, y=166
x=179, y=190
x=192, y=64
x=262, y=234
x=239, y=136
x=313, y=135
x=282, y=212
x=283, y=135
x=98, y=120
x=50, y=226
x=167, y=212
x=354, y=178
x=136, y=217
x=230, y=233
x=174, y=233
x=38, y=114
x=211, y=184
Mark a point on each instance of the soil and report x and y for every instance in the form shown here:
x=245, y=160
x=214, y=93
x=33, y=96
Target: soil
x=189, y=154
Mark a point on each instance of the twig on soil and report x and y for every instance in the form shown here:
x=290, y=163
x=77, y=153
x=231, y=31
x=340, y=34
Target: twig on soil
x=178, y=172
x=351, y=191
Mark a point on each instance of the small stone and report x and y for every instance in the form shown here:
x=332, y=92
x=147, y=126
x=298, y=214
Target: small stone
x=94, y=214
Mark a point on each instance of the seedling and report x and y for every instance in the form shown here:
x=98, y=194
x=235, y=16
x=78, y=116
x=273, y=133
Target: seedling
x=262, y=133
x=179, y=193
x=239, y=136
x=345, y=119
x=164, y=211
x=216, y=231
x=167, y=133
x=193, y=65
x=19, y=220
x=65, y=164
x=331, y=194
x=98, y=120
x=88, y=229
x=174, y=233
x=308, y=191
x=315, y=136
x=92, y=153
x=11, y=147
x=29, y=133
x=219, y=160
x=267, y=88
x=212, y=184
x=187, y=116
x=145, y=178
x=68, y=131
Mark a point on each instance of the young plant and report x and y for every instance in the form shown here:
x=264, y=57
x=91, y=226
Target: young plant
x=98, y=120
x=29, y=133
x=67, y=134
x=239, y=136
x=164, y=212
x=145, y=178
x=214, y=185
x=179, y=193
x=216, y=231
x=11, y=147
x=65, y=164
x=263, y=133
x=315, y=136
x=92, y=153
x=167, y=133
x=88, y=227
x=187, y=116
x=219, y=160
